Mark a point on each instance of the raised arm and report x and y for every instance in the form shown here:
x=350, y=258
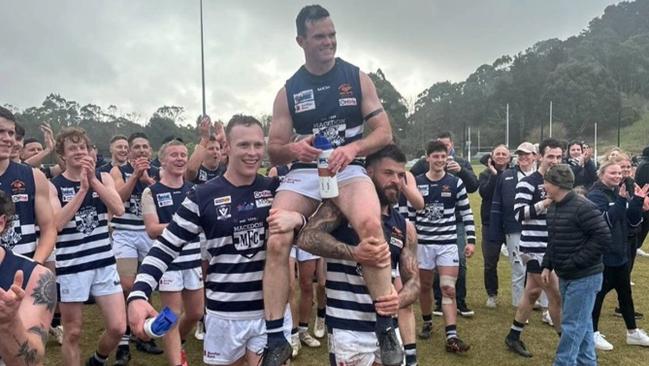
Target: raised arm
x=197, y=157
x=44, y=218
x=408, y=268
x=411, y=192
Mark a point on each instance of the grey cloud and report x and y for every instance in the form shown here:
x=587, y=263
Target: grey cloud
x=144, y=54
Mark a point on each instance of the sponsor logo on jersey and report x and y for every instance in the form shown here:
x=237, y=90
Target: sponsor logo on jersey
x=347, y=102
x=67, y=194
x=304, y=101
x=222, y=200
x=264, y=202
x=19, y=198
x=164, y=199
x=263, y=194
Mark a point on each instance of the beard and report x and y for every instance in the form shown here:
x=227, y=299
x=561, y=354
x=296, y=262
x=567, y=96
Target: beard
x=385, y=198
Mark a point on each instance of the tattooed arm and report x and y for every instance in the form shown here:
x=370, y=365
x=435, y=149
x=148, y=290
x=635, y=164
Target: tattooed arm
x=26, y=316
x=409, y=268
x=316, y=238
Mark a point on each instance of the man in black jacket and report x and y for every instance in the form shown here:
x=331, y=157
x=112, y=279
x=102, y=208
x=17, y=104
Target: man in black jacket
x=577, y=235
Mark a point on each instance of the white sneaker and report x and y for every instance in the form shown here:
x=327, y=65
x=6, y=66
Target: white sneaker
x=199, y=333
x=631, y=283
x=319, y=327
x=602, y=344
x=295, y=344
x=546, y=318
x=637, y=337
x=492, y=302
x=641, y=253
x=57, y=333
x=308, y=340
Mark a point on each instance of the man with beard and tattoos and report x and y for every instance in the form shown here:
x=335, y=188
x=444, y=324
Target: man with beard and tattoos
x=351, y=311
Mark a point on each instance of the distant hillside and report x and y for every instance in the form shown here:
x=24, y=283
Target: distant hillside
x=600, y=75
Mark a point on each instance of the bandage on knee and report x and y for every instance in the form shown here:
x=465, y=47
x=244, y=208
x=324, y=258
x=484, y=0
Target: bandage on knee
x=446, y=281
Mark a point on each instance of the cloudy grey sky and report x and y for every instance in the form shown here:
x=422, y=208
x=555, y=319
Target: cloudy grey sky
x=140, y=55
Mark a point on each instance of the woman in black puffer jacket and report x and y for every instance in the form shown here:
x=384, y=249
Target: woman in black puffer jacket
x=621, y=210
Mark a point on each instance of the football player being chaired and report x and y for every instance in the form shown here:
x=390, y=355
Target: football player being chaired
x=234, y=212
x=130, y=241
x=331, y=97
x=181, y=286
x=85, y=264
x=28, y=189
x=350, y=310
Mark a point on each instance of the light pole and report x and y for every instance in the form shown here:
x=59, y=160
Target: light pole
x=202, y=60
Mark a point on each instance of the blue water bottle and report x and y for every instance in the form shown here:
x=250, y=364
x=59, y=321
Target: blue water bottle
x=160, y=325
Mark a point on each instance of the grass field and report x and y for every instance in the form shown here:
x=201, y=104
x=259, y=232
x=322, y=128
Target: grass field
x=485, y=331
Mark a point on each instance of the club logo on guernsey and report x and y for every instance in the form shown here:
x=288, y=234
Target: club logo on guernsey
x=304, y=101
x=12, y=235
x=134, y=206
x=248, y=238
x=435, y=211
x=87, y=220
x=333, y=130
x=446, y=191
x=164, y=199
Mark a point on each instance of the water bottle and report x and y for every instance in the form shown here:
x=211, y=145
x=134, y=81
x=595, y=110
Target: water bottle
x=328, y=181
x=160, y=325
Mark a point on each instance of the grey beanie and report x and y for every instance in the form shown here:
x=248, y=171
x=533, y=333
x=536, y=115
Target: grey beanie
x=560, y=175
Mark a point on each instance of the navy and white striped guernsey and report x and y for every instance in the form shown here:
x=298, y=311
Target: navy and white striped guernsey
x=402, y=206
x=234, y=222
x=132, y=217
x=84, y=243
x=349, y=304
x=167, y=200
x=528, y=211
x=18, y=183
x=436, y=223
x=328, y=104
x=204, y=174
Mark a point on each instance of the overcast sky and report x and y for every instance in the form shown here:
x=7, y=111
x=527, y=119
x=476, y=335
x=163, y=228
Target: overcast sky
x=139, y=55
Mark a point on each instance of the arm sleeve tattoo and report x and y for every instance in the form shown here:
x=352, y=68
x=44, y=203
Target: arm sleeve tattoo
x=45, y=291
x=408, y=268
x=316, y=239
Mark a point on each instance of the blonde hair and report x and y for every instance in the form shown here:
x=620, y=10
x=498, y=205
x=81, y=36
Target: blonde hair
x=162, y=153
x=605, y=165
